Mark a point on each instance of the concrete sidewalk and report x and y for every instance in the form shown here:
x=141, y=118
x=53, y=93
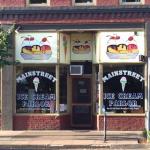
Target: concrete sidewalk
x=66, y=138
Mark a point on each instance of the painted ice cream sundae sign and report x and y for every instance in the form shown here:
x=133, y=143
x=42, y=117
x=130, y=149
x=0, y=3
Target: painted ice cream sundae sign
x=81, y=46
x=121, y=46
x=36, y=47
x=123, y=90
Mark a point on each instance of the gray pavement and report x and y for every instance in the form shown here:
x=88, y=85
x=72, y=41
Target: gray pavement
x=70, y=139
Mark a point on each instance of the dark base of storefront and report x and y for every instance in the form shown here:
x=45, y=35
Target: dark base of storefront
x=40, y=122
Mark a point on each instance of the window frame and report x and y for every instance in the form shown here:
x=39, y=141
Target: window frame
x=84, y=4
x=40, y=4
x=132, y=3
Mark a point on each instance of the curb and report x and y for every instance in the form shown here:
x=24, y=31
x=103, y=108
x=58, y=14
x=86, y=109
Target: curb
x=52, y=147
x=64, y=147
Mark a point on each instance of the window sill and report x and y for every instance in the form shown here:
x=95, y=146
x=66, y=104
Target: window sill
x=40, y=114
x=121, y=114
x=131, y=3
x=84, y=4
x=37, y=5
x=37, y=114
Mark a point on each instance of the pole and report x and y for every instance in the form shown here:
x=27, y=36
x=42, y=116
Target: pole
x=105, y=126
x=148, y=103
x=104, y=111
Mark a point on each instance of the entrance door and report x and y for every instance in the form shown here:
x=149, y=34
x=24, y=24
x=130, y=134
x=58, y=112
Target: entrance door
x=81, y=102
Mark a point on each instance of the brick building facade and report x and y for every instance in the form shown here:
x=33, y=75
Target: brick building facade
x=93, y=49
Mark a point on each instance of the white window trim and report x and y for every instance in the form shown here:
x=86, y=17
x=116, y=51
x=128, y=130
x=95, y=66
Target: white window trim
x=132, y=3
x=42, y=4
x=84, y=4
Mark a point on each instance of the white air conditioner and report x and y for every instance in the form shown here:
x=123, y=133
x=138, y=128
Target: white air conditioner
x=76, y=69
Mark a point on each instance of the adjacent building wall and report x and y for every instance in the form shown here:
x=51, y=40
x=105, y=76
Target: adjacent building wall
x=53, y=3
x=12, y=3
x=7, y=101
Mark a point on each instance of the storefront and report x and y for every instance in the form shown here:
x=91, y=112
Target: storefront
x=122, y=80
x=64, y=79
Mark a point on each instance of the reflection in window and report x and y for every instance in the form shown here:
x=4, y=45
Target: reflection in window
x=37, y=1
x=123, y=88
x=128, y=2
x=83, y=1
x=63, y=89
x=35, y=90
x=131, y=0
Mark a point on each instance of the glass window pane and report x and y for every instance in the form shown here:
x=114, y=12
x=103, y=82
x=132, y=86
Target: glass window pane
x=123, y=87
x=63, y=88
x=35, y=91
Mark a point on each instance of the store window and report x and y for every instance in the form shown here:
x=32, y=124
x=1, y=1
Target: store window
x=35, y=90
x=63, y=89
x=38, y=2
x=83, y=2
x=123, y=88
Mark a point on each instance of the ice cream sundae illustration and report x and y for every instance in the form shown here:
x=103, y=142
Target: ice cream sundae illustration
x=120, y=48
x=123, y=82
x=36, y=83
x=33, y=48
x=81, y=47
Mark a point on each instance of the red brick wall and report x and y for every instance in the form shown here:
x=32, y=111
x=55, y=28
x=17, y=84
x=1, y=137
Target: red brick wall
x=121, y=123
x=147, y=2
x=41, y=122
x=22, y=3
x=108, y=2
x=61, y=2
x=12, y=3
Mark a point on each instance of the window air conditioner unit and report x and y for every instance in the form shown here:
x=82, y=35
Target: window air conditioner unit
x=76, y=69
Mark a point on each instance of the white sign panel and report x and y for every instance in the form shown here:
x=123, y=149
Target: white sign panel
x=36, y=47
x=121, y=46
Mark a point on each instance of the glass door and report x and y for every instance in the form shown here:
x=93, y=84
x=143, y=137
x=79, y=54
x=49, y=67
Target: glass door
x=81, y=102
